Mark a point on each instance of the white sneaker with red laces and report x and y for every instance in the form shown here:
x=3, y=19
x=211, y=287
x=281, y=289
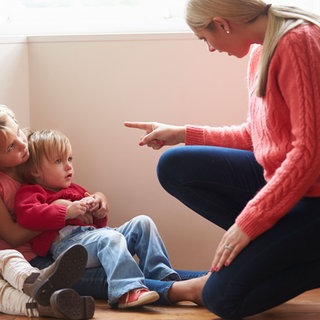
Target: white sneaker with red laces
x=137, y=298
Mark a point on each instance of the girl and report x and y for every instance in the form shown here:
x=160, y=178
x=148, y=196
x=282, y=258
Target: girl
x=24, y=289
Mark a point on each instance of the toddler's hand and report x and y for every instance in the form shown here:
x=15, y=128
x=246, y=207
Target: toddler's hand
x=75, y=209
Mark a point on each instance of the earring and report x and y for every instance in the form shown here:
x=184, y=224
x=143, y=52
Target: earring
x=228, y=31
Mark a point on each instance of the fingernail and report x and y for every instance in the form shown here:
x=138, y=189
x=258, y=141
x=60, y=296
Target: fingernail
x=216, y=269
x=211, y=269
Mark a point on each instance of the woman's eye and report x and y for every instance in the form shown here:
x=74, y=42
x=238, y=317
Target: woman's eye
x=58, y=161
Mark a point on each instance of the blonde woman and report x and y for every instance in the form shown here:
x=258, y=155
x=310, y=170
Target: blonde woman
x=260, y=180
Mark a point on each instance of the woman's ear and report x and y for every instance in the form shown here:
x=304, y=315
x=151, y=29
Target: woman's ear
x=221, y=23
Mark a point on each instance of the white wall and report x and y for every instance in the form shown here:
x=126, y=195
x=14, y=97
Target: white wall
x=14, y=76
x=87, y=86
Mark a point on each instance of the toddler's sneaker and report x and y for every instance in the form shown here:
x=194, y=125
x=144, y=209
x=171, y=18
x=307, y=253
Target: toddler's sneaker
x=137, y=298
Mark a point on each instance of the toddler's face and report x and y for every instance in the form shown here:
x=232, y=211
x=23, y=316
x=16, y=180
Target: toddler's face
x=55, y=174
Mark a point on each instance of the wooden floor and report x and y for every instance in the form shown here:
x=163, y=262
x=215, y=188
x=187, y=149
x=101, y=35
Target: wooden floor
x=304, y=307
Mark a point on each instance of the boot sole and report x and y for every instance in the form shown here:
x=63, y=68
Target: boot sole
x=67, y=271
x=68, y=304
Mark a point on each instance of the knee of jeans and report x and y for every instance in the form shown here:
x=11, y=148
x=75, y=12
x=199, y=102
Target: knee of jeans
x=144, y=222
x=164, y=163
x=169, y=167
x=112, y=238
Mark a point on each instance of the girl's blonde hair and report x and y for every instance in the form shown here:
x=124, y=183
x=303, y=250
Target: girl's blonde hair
x=281, y=19
x=5, y=114
x=44, y=144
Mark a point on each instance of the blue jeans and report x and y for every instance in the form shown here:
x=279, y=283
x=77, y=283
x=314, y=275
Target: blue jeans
x=94, y=281
x=114, y=248
x=280, y=264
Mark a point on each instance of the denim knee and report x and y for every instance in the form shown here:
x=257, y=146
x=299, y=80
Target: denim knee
x=166, y=163
x=144, y=221
x=113, y=238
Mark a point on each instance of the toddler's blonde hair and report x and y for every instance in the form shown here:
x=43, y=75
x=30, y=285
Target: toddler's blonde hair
x=46, y=143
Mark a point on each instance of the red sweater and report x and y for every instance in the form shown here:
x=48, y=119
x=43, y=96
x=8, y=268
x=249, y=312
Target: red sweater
x=282, y=129
x=34, y=212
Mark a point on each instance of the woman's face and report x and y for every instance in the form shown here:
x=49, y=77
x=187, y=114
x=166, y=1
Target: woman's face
x=224, y=39
x=13, y=146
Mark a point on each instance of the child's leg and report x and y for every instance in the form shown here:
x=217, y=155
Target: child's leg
x=18, y=276
x=110, y=248
x=13, y=301
x=63, y=273
x=14, y=268
x=144, y=240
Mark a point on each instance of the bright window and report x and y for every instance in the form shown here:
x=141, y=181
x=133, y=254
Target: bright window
x=91, y=16
x=29, y=17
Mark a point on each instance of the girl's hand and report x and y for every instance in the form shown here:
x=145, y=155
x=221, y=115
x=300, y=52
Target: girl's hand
x=231, y=244
x=158, y=134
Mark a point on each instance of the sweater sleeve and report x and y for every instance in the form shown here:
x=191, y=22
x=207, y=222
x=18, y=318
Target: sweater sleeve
x=34, y=213
x=237, y=137
x=295, y=74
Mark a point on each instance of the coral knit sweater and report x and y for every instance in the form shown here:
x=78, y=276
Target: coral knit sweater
x=282, y=129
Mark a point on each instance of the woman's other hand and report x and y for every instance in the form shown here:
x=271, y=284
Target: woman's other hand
x=231, y=244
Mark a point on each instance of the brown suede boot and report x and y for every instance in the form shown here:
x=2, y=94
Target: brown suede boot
x=63, y=273
x=66, y=304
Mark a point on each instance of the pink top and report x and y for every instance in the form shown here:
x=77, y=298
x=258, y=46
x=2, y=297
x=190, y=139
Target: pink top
x=282, y=129
x=8, y=189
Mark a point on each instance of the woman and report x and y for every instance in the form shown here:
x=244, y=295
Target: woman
x=13, y=152
x=259, y=180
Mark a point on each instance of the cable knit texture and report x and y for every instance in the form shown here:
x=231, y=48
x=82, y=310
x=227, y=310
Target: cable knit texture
x=282, y=129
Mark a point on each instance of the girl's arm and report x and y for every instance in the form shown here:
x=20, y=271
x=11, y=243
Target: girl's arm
x=12, y=232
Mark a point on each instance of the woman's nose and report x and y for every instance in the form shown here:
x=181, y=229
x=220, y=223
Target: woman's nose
x=211, y=48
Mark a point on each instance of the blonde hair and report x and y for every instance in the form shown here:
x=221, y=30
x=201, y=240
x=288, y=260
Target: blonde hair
x=44, y=144
x=281, y=19
x=5, y=114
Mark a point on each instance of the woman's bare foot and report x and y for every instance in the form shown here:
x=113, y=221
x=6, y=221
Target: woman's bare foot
x=188, y=290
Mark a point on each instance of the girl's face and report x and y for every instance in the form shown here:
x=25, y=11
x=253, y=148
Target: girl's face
x=55, y=174
x=14, y=147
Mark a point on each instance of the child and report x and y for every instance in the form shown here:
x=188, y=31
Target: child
x=53, y=204
x=25, y=290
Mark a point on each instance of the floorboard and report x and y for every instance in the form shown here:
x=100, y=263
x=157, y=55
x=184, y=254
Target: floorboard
x=304, y=307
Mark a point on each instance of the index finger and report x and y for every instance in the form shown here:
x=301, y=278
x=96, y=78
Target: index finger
x=138, y=125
